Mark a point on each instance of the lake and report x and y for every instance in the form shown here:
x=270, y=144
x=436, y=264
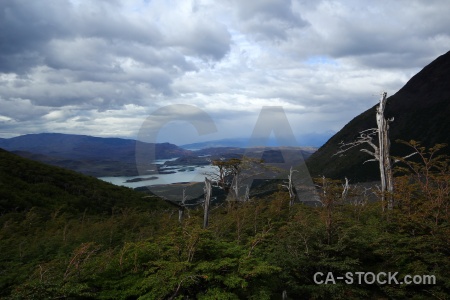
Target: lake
x=182, y=174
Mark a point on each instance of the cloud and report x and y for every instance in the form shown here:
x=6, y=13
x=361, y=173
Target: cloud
x=401, y=34
x=20, y=110
x=27, y=27
x=267, y=19
x=102, y=67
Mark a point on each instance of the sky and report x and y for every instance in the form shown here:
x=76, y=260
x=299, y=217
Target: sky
x=107, y=67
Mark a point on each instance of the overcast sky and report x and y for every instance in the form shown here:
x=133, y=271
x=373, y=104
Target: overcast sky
x=101, y=67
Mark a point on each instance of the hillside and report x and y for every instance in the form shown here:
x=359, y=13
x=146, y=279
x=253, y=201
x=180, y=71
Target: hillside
x=25, y=184
x=68, y=236
x=85, y=154
x=421, y=111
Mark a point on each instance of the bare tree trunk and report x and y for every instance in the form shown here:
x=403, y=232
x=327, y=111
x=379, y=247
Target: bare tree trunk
x=247, y=193
x=290, y=187
x=345, y=187
x=380, y=153
x=182, y=207
x=207, y=199
x=180, y=214
x=236, y=186
x=385, y=163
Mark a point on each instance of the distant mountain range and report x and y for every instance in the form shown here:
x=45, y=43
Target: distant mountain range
x=311, y=140
x=84, y=147
x=421, y=111
x=100, y=157
x=86, y=154
x=237, y=143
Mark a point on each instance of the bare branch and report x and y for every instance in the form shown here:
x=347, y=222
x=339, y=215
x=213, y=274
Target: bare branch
x=371, y=153
x=365, y=137
x=406, y=157
x=369, y=160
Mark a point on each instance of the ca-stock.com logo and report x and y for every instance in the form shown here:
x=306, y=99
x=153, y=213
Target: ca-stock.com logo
x=271, y=120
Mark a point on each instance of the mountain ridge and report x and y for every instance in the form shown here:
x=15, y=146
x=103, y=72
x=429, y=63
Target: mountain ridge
x=83, y=146
x=311, y=140
x=89, y=155
x=420, y=110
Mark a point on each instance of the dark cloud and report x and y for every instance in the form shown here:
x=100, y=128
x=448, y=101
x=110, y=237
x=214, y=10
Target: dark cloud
x=93, y=36
x=101, y=66
x=106, y=21
x=208, y=41
x=20, y=110
x=94, y=54
x=26, y=28
x=268, y=19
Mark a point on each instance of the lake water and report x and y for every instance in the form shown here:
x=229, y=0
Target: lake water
x=183, y=174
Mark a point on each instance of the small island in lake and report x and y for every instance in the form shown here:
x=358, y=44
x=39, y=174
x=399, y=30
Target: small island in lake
x=142, y=179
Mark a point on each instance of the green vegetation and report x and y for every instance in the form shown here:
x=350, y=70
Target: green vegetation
x=63, y=235
x=25, y=184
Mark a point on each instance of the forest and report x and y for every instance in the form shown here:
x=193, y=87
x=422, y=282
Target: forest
x=68, y=236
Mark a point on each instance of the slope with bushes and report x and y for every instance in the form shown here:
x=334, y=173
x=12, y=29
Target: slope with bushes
x=260, y=249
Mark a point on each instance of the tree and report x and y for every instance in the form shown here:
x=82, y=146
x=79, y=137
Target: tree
x=380, y=152
x=427, y=179
x=226, y=169
x=207, y=201
x=236, y=174
x=331, y=196
x=182, y=207
x=290, y=187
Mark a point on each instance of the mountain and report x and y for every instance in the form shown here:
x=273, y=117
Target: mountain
x=86, y=154
x=306, y=140
x=84, y=147
x=238, y=143
x=421, y=111
x=272, y=155
x=26, y=183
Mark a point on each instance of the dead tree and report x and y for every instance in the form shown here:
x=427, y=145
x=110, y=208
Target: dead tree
x=290, y=187
x=385, y=161
x=207, y=200
x=235, y=185
x=247, y=193
x=380, y=152
x=345, y=188
x=182, y=207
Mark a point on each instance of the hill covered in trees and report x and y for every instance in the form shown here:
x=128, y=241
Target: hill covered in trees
x=421, y=111
x=65, y=235
x=27, y=184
